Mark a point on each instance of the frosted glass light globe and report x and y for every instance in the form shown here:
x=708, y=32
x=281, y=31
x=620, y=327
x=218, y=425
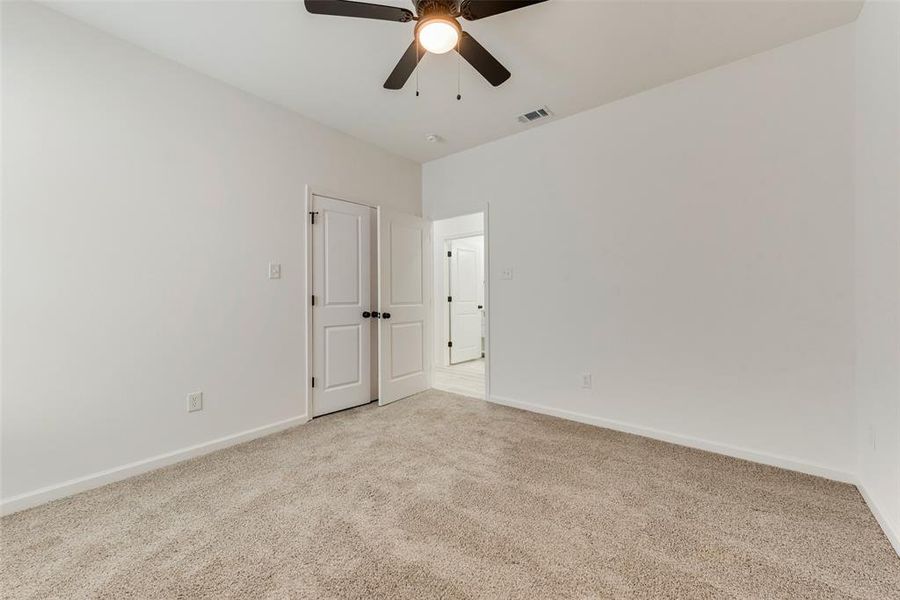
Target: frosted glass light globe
x=438, y=36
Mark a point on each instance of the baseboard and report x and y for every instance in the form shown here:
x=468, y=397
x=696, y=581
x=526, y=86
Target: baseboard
x=773, y=460
x=892, y=534
x=81, y=484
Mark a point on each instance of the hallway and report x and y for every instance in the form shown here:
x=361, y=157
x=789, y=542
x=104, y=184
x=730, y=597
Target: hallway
x=466, y=379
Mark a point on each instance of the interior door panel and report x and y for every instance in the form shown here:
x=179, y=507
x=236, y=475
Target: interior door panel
x=343, y=258
x=404, y=277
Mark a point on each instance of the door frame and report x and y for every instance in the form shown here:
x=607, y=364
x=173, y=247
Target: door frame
x=441, y=327
x=316, y=190
x=487, y=301
x=309, y=192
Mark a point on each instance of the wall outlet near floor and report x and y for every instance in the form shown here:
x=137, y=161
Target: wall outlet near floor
x=587, y=382
x=274, y=271
x=195, y=401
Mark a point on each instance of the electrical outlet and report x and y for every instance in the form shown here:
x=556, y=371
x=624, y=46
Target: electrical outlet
x=506, y=273
x=195, y=402
x=586, y=381
x=872, y=439
x=274, y=271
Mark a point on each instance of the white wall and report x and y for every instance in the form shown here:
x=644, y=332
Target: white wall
x=142, y=203
x=877, y=267
x=692, y=248
x=443, y=230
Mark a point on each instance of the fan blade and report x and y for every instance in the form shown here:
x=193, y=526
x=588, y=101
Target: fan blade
x=405, y=66
x=363, y=10
x=482, y=60
x=472, y=10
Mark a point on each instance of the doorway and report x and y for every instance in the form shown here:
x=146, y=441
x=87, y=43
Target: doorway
x=460, y=316
x=369, y=304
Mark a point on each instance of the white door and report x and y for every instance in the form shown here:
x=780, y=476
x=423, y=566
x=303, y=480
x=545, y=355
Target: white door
x=343, y=258
x=404, y=271
x=465, y=297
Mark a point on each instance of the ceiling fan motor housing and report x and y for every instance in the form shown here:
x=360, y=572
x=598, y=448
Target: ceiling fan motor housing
x=437, y=8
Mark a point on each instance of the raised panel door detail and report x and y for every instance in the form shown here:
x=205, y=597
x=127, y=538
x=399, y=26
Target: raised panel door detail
x=406, y=266
x=466, y=288
x=342, y=258
x=407, y=348
x=343, y=354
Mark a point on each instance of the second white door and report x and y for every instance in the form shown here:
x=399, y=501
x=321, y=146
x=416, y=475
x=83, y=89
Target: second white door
x=404, y=241
x=466, y=298
x=343, y=330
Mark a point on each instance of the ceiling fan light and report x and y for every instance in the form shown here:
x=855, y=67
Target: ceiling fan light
x=438, y=35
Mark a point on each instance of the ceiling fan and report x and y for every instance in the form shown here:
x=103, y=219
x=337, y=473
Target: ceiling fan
x=437, y=30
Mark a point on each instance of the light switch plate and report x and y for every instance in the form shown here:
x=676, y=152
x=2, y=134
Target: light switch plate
x=587, y=381
x=274, y=271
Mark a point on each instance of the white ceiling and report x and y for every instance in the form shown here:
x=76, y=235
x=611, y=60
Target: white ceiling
x=570, y=55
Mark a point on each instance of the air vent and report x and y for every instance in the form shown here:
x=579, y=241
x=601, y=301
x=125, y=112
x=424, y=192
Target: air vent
x=535, y=115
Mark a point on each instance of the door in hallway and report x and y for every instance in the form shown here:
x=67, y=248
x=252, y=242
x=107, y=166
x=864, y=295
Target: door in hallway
x=343, y=255
x=466, y=298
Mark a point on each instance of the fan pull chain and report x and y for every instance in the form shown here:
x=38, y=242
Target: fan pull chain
x=417, y=66
x=458, y=62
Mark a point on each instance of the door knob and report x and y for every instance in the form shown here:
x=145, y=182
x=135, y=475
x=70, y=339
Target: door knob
x=385, y=315
x=376, y=314
x=366, y=314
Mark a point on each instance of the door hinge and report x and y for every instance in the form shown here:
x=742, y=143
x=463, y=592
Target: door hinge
x=449, y=254
x=449, y=344
x=313, y=299
x=449, y=298
x=312, y=217
x=313, y=382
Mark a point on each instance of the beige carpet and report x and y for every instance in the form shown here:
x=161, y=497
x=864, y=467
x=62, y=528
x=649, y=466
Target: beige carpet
x=440, y=496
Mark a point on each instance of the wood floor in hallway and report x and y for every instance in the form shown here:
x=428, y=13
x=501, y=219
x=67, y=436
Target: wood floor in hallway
x=465, y=379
